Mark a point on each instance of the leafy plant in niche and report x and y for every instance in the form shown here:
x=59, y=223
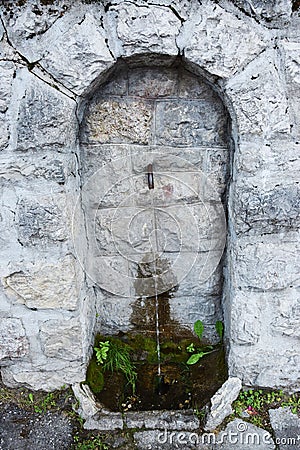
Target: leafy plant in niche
x=114, y=355
x=199, y=352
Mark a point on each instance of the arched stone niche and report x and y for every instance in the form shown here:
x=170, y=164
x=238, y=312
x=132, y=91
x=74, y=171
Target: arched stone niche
x=159, y=114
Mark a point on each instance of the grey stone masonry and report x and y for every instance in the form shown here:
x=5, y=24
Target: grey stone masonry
x=93, y=92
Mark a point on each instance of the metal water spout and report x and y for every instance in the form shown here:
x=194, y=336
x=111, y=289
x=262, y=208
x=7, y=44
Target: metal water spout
x=150, y=177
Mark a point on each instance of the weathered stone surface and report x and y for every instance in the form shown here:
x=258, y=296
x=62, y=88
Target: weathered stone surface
x=49, y=167
x=7, y=69
x=274, y=157
x=246, y=318
x=75, y=51
x=274, y=13
x=275, y=263
x=219, y=41
x=45, y=286
x=104, y=422
x=259, y=99
x=87, y=403
x=221, y=403
x=119, y=121
x=13, y=340
x=253, y=372
x=36, y=377
x=290, y=54
x=286, y=317
x=43, y=222
x=142, y=29
x=168, y=420
x=46, y=118
x=62, y=339
x=152, y=83
x=259, y=209
x=190, y=123
x=113, y=313
x=286, y=426
x=242, y=435
x=157, y=440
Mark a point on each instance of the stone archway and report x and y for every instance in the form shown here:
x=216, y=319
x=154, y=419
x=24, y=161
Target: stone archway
x=159, y=114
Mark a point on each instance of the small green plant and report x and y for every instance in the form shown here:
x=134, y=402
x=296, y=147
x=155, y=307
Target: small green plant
x=45, y=404
x=293, y=402
x=101, y=351
x=92, y=443
x=114, y=355
x=30, y=397
x=198, y=353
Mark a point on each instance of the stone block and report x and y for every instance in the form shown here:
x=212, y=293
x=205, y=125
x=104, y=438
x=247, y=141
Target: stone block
x=87, y=402
x=142, y=29
x=104, y=422
x=113, y=313
x=40, y=167
x=7, y=69
x=37, y=378
x=215, y=174
x=44, y=221
x=274, y=13
x=95, y=157
x=168, y=420
x=110, y=273
x=190, y=123
x=274, y=262
x=193, y=87
x=152, y=83
x=259, y=99
x=260, y=209
x=62, y=339
x=13, y=340
x=274, y=157
x=246, y=317
x=107, y=186
x=119, y=121
x=220, y=41
x=221, y=403
x=44, y=285
x=273, y=363
x=286, y=313
x=76, y=51
x=286, y=426
x=46, y=118
x=125, y=231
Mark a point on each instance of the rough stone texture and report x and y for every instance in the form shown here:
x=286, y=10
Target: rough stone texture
x=286, y=426
x=13, y=341
x=87, y=403
x=221, y=403
x=104, y=422
x=275, y=13
x=219, y=41
x=261, y=107
x=49, y=113
x=168, y=420
x=157, y=440
x=61, y=339
x=142, y=29
x=46, y=286
x=242, y=435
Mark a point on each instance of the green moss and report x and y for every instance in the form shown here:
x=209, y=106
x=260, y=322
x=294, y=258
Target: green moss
x=94, y=377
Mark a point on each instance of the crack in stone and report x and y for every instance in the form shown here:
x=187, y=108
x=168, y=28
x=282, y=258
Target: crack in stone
x=32, y=66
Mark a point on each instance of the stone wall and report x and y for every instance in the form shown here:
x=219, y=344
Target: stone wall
x=54, y=60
